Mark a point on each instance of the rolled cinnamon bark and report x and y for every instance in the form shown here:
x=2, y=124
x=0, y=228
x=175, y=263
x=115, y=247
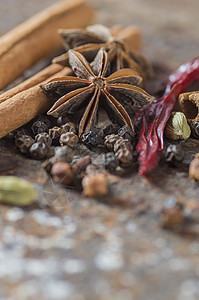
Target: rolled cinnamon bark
x=37, y=37
x=24, y=106
x=32, y=81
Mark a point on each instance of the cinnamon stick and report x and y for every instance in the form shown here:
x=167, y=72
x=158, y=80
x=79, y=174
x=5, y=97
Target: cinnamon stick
x=32, y=81
x=37, y=37
x=24, y=106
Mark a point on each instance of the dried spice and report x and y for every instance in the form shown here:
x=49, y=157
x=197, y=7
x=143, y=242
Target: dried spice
x=93, y=138
x=177, y=127
x=16, y=191
x=126, y=133
x=122, y=148
x=174, y=154
x=62, y=173
x=40, y=125
x=194, y=168
x=55, y=133
x=89, y=41
x=188, y=103
x=119, y=93
x=151, y=119
x=44, y=138
x=38, y=150
x=123, y=151
x=69, y=138
x=24, y=142
x=111, y=139
x=195, y=129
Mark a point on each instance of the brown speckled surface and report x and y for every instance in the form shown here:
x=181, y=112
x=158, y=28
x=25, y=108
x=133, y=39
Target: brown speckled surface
x=74, y=248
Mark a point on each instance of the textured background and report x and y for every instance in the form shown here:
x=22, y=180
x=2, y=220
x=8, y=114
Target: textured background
x=82, y=249
x=169, y=27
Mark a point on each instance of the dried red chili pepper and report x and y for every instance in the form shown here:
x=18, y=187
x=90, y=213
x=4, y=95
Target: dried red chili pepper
x=150, y=121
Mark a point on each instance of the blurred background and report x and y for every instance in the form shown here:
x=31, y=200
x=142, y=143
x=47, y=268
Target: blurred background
x=170, y=28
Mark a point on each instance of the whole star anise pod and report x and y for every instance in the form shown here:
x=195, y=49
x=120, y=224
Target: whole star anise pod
x=89, y=41
x=117, y=93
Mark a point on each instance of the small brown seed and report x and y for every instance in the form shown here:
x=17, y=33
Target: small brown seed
x=122, y=143
x=55, y=132
x=125, y=156
x=62, y=173
x=95, y=185
x=111, y=139
x=69, y=127
x=69, y=138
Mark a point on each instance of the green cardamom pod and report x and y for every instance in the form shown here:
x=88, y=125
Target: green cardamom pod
x=16, y=191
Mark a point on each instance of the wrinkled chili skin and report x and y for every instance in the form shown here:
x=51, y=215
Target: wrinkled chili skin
x=150, y=121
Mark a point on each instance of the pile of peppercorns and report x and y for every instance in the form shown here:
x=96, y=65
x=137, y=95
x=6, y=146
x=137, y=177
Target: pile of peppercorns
x=60, y=148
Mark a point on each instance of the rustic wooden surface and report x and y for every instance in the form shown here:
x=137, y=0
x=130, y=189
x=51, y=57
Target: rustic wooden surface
x=69, y=247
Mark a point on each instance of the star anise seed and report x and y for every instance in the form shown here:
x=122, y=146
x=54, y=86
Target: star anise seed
x=89, y=41
x=91, y=87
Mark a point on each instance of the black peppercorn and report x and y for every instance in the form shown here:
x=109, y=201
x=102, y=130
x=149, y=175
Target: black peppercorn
x=40, y=125
x=55, y=134
x=38, y=150
x=69, y=138
x=110, y=162
x=126, y=133
x=195, y=129
x=24, y=142
x=93, y=137
x=44, y=138
x=174, y=154
x=111, y=139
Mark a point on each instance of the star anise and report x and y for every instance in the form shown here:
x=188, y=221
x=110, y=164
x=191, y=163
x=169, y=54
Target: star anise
x=89, y=41
x=116, y=93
